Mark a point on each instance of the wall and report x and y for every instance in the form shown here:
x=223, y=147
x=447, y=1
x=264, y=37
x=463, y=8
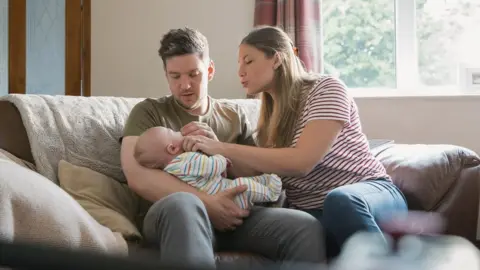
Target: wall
x=423, y=119
x=125, y=37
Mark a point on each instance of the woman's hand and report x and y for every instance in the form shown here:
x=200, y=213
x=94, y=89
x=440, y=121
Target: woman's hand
x=203, y=144
x=222, y=210
x=197, y=128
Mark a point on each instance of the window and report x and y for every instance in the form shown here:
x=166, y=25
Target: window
x=403, y=44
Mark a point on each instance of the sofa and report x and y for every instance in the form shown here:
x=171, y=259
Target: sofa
x=444, y=179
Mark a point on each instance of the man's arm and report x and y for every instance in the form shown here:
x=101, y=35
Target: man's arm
x=150, y=184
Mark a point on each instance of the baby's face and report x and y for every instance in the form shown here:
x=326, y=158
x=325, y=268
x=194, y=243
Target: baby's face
x=158, y=146
x=168, y=138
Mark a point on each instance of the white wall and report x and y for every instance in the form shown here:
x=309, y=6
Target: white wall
x=126, y=36
x=125, y=39
x=445, y=120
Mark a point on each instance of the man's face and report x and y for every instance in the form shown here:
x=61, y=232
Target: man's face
x=188, y=76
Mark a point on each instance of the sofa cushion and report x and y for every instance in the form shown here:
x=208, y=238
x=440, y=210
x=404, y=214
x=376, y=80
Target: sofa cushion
x=109, y=202
x=5, y=155
x=32, y=208
x=425, y=173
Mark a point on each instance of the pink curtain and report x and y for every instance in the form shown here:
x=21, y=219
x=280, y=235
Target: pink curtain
x=301, y=19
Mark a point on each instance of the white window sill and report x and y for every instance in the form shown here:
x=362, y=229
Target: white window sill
x=436, y=92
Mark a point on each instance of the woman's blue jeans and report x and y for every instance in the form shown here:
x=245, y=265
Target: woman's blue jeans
x=358, y=207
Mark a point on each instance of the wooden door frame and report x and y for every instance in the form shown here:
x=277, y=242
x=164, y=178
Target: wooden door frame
x=17, y=46
x=77, y=47
x=87, y=49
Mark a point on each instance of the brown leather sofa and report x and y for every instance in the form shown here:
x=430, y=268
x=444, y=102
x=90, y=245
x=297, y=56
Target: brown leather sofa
x=439, y=178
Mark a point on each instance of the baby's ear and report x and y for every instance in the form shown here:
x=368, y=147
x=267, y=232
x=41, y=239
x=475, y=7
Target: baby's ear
x=173, y=149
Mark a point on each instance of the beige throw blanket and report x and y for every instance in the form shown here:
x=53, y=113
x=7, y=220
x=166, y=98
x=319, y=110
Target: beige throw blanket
x=84, y=131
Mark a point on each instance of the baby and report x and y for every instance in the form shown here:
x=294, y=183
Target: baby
x=162, y=148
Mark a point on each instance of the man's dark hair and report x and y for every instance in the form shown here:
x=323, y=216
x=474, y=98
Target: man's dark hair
x=183, y=41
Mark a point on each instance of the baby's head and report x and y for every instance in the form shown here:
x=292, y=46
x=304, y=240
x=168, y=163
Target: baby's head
x=157, y=146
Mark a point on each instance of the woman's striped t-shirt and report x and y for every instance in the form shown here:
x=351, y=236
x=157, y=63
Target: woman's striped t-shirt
x=349, y=159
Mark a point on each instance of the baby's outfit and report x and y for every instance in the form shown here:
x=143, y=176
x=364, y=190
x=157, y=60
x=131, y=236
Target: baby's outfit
x=207, y=173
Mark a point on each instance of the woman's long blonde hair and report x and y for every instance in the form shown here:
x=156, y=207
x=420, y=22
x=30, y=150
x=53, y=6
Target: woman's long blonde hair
x=278, y=119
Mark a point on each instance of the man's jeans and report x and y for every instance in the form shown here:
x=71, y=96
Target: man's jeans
x=358, y=207
x=180, y=228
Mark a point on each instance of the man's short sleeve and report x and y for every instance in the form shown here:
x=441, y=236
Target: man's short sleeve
x=247, y=133
x=142, y=117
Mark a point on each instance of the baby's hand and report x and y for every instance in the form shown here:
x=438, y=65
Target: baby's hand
x=229, y=163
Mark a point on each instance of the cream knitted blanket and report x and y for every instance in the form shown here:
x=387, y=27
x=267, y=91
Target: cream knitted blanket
x=84, y=131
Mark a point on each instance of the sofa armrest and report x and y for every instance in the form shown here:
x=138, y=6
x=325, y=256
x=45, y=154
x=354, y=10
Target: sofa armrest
x=439, y=178
x=460, y=206
x=13, y=136
x=426, y=173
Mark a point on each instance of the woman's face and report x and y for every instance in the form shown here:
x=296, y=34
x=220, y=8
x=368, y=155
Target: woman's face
x=255, y=70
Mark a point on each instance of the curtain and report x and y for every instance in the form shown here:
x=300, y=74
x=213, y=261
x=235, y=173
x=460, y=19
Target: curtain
x=301, y=20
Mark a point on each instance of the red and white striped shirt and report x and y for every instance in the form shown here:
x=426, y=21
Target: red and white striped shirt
x=349, y=160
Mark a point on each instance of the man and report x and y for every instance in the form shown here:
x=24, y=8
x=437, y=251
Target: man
x=185, y=224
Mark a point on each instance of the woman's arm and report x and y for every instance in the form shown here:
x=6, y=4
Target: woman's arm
x=326, y=112
x=314, y=143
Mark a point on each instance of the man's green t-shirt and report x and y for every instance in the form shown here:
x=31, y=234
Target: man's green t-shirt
x=227, y=120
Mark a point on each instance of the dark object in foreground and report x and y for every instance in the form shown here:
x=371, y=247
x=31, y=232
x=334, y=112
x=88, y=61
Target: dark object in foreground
x=418, y=223
x=37, y=256
x=363, y=251
x=414, y=252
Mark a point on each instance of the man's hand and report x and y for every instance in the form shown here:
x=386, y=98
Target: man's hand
x=222, y=210
x=197, y=128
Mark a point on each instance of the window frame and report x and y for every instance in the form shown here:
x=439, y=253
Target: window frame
x=406, y=53
x=407, y=74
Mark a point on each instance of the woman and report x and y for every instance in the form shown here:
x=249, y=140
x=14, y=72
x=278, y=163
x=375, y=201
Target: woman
x=309, y=133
